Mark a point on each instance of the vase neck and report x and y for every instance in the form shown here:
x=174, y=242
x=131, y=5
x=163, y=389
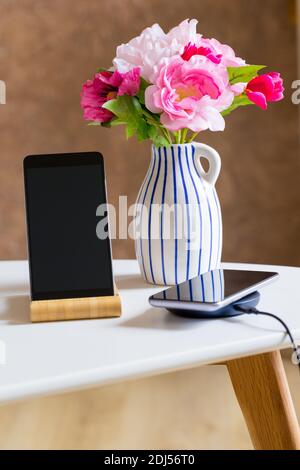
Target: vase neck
x=174, y=152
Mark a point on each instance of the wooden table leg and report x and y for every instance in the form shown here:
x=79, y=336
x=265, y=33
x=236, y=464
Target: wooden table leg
x=261, y=387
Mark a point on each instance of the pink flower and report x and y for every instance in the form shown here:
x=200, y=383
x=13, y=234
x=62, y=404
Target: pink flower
x=219, y=54
x=104, y=87
x=154, y=48
x=265, y=88
x=214, y=51
x=224, y=52
x=191, y=94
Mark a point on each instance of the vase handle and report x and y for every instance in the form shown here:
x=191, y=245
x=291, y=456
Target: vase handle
x=214, y=160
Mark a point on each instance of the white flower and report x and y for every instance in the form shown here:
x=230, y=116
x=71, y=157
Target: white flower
x=154, y=48
x=183, y=34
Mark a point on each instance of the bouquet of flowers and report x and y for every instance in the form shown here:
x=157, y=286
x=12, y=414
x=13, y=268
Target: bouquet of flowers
x=169, y=87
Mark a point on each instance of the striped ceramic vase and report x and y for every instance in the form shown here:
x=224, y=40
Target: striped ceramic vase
x=178, y=224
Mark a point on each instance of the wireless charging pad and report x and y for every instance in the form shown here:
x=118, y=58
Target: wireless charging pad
x=225, y=312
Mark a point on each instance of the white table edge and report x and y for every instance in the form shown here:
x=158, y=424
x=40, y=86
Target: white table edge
x=94, y=378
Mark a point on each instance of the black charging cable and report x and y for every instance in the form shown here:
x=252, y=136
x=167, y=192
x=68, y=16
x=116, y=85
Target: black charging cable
x=254, y=311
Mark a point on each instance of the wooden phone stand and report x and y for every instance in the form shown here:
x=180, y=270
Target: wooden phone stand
x=75, y=309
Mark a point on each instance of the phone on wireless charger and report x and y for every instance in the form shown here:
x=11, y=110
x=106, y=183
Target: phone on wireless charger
x=212, y=294
x=66, y=257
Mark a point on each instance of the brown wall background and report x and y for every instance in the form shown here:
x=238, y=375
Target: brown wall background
x=48, y=48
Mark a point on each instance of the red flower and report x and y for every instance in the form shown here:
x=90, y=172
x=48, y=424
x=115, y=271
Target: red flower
x=265, y=88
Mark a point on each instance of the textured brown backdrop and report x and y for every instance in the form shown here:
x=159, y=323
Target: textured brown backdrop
x=48, y=48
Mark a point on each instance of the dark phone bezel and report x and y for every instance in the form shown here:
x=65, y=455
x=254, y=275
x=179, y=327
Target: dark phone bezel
x=63, y=160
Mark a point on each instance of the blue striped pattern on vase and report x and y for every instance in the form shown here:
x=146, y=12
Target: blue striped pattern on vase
x=178, y=224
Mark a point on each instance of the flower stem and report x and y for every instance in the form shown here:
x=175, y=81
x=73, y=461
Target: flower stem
x=152, y=119
x=151, y=116
x=183, y=135
x=166, y=134
x=177, y=137
x=169, y=136
x=193, y=136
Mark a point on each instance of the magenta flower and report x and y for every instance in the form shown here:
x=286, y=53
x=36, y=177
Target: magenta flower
x=265, y=88
x=106, y=86
x=191, y=49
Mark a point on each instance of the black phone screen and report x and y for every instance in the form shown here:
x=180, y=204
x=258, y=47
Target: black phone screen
x=66, y=258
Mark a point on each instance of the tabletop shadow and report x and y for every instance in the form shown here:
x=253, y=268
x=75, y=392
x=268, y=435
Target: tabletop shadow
x=160, y=319
x=15, y=310
x=157, y=319
x=16, y=289
x=131, y=281
x=275, y=326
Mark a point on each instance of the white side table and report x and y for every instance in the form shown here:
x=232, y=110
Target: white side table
x=55, y=357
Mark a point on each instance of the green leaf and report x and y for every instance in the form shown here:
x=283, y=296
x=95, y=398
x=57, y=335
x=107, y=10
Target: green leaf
x=95, y=123
x=152, y=132
x=137, y=105
x=161, y=141
x=106, y=124
x=113, y=106
x=128, y=111
x=243, y=74
x=124, y=107
x=141, y=93
x=117, y=122
x=143, y=131
x=157, y=139
x=130, y=131
x=238, y=101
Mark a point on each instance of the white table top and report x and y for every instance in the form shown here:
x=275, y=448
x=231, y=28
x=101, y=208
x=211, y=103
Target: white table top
x=54, y=357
